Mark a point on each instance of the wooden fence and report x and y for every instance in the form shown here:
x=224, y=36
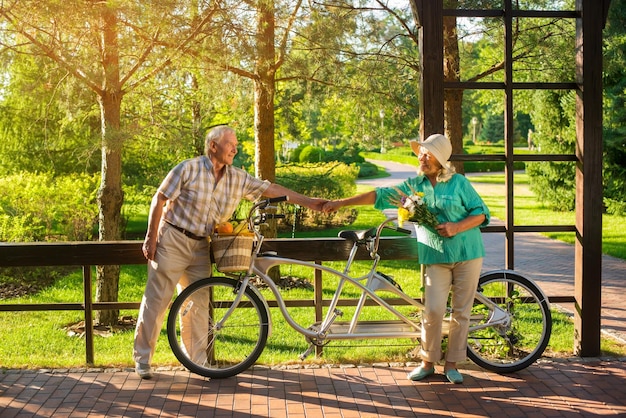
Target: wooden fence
x=89, y=254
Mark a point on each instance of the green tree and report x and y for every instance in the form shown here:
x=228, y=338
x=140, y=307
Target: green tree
x=47, y=123
x=110, y=48
x=348, y=64
x=554, y=182
x=493, y=129
x=538, y=55
x=615, y=108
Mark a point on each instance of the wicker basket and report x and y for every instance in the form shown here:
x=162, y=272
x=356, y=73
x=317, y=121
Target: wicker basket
x=232, y=252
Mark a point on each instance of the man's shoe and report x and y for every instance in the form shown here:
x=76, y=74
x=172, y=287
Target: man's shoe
x=454, y=376
x=143, y=370
x=420, y=373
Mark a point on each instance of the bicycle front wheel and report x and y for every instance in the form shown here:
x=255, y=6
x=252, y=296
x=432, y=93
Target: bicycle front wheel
x=205, y=345
x=520, y=339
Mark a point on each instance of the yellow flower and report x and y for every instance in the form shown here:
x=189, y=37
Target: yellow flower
x=413, y=208
x=403, y=215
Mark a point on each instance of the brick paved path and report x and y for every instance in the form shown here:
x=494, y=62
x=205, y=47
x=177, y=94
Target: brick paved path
x=549, y=388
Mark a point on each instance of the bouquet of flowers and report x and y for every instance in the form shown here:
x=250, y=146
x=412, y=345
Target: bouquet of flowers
x=413, y=208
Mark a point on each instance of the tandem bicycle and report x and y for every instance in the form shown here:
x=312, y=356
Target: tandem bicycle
x=510, y=323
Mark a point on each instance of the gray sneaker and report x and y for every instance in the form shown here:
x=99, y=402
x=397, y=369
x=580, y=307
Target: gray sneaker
x=144, y=370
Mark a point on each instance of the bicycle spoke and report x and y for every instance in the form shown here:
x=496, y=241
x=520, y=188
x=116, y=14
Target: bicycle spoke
x=227, y=347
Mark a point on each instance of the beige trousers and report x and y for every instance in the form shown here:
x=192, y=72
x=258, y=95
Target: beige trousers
x=439, y=279
x=178, y=262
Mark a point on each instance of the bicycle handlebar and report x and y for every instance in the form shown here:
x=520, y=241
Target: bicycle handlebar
x=379, y=230
x=263, y=204
x=404, y=231
x=274, y=216
x=277, y=199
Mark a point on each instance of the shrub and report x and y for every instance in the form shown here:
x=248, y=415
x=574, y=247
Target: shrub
x=21, y=228
x=367, y=169
x=615, y=207
x=311, y=154
x=614, y=169
x=38, y=207
x=553, y=183
x=347, y=153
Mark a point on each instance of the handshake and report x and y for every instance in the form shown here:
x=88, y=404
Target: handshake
x=367, y=198
x=331, y=206
x=322, y=205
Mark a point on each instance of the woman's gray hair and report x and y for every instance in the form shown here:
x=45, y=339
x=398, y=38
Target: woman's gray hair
x=445, y=172
x=216, y=135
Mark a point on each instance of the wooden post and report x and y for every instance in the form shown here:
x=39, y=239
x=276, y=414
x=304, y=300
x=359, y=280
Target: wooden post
x=88, y=306
x=429, y=18
x=318, y=298
x=588, y=264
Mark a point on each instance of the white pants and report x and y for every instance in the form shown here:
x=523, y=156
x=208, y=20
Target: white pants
x=178, y=262
x=462, y=278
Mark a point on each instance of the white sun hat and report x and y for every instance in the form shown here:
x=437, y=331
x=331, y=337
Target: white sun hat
x=438, y=145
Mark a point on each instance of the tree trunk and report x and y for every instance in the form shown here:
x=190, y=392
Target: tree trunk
x=264, y=89
x=264, y=130
x=453, y=99
x=196, y=119
x=110, y=195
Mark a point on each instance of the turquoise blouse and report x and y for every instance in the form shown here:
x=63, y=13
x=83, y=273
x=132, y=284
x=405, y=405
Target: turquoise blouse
x=450, y=201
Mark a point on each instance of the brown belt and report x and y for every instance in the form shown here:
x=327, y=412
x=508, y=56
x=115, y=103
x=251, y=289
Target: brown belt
x=185, y=232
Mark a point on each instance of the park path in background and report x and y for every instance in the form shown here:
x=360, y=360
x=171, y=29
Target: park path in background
x=548, y=262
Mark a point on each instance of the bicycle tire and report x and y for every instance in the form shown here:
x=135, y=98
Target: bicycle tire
x=233, y=348
x=514, y=346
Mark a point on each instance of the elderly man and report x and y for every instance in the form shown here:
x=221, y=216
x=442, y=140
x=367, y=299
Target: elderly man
x=194, y=197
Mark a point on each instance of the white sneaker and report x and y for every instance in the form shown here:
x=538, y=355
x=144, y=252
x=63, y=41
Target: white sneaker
x=143, y=370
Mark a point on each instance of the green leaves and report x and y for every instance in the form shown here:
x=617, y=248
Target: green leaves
x=40, y=207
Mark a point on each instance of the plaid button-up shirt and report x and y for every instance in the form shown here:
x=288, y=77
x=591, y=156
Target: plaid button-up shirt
x=196, y=202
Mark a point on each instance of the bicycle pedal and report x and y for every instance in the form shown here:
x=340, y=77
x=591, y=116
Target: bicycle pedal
x=307, y=353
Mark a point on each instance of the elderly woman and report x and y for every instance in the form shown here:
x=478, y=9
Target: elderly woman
x=452, y=251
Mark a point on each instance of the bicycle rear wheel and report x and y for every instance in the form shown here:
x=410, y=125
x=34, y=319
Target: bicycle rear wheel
x=515, y=345
x=217, y=350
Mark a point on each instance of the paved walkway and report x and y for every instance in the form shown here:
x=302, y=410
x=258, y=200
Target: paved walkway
x=550, y=387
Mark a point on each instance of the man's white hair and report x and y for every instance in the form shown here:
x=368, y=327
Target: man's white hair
x=216, y=135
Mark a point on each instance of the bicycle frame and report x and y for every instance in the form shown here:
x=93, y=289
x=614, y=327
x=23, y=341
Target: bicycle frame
x=403, y=327
x=263, y=263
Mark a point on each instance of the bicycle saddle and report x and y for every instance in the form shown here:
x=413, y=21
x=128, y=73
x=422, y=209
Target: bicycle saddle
x=356, y=236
